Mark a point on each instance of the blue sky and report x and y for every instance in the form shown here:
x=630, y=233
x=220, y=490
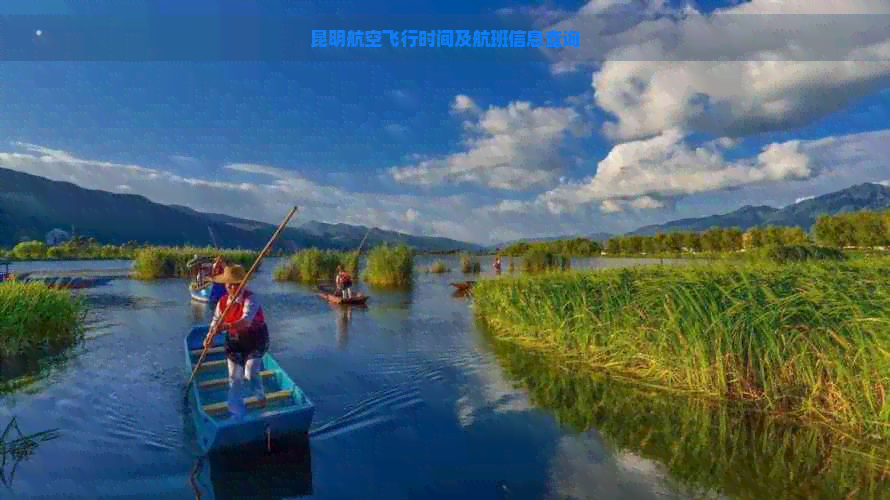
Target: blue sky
x=604, y=138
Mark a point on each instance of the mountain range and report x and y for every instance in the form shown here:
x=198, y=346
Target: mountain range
x=866, y=196
x=31, y=206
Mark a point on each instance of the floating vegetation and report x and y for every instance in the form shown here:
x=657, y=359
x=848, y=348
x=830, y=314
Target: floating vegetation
x=15, y=448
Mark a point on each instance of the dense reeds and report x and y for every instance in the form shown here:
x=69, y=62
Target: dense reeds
x=703, y=447
x=390, y=266
x=806, y=340
x=172, y=262
x=438, y=267
x=34, y=317
x=313, y=266
x=538, y=260
x=469, y=264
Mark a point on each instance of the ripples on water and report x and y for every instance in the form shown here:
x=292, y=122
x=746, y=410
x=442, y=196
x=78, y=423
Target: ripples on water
x=409, y=404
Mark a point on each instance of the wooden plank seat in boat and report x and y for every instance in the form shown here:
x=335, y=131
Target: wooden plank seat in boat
x=251, y=402
x=222, y=382
x=212, y=350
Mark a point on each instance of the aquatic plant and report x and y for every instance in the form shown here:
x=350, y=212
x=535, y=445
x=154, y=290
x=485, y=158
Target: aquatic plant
x=172, y=262
x=439, y=267
x=15, y=449
x=34, y=317
x=313, y=265
x=469, y=264
x=538, y=260
x=390, y=266
x=703, y=447
x=801, y=339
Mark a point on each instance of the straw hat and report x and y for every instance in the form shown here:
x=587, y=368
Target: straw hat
x=231, y=275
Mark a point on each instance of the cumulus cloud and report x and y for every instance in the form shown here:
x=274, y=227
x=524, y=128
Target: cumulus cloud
x=758, y=66
x=642, y=173
x=464, y=104
x=511, y=148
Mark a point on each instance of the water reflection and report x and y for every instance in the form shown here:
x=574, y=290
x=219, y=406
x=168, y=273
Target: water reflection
x=16, y=447
x=21, y=371
x=277, y=470
x=702, y=449
x=344, y=316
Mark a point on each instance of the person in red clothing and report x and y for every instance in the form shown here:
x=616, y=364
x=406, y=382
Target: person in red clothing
x=344, y=283
x=497, y=264
x=219, y=265
x=247, y=338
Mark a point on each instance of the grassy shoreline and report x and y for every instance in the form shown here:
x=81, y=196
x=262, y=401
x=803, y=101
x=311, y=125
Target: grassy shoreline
x=803, y=340
x=704, y=447
x=34, y=317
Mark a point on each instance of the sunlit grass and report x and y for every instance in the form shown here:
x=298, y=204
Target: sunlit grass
x=439, y=267
x=704, y=447
x=313, y=265
x=469, y=264
x=390, y=266
x=804, y=340
x=34, y=317
x=171, y=262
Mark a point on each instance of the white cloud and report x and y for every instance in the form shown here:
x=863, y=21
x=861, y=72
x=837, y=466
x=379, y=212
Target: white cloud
x=762, y=65
x=464, y=104
x=639, y=174
x=510, y=148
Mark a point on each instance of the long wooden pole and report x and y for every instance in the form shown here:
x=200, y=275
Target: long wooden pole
x=215, y=326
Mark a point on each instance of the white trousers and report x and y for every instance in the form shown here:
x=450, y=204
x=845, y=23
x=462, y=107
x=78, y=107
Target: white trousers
x=238, y=375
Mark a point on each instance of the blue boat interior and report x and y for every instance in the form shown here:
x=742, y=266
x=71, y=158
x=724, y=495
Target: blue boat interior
x=212, y=386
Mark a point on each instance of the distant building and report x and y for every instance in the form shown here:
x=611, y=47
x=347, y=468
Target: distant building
x=56, y=236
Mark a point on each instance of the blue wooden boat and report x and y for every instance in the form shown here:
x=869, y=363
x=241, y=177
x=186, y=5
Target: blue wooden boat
x=208, y=293
x=287, y=412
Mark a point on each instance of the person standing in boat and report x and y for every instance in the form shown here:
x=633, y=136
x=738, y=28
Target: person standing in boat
x=247, y=337
x=217, y=289
x=497, y=264
x=344, y=283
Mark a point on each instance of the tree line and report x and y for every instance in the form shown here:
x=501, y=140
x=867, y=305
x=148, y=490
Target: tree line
x=862, y=229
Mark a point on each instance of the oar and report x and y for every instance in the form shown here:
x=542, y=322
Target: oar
x=214, y=327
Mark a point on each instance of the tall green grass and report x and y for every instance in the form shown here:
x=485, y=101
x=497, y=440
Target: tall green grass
x=469, y=264
x=438, y=267
x=313, y=265
x=538, y=260
x=168, y=262
x=34, y=317
x=806, y=340
x=390, y=266
x=704, y=447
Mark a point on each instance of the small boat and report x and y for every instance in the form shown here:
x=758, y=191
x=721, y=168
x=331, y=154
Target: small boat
x=356, y=300
x=200, y=293
x=466, y=285
x=208, y=293
x=287, y=412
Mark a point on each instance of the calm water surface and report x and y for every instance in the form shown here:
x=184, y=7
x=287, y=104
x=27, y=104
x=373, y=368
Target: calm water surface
x=410, y=403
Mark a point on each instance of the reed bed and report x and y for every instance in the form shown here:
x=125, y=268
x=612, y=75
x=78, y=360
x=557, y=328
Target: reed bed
x=390, y=266
x=34, y=317
x=805, y=340
x=313, y=265
x=172, y=262
x=538, y=260
x=469, y=264
x=704, y=447
x=438, y=267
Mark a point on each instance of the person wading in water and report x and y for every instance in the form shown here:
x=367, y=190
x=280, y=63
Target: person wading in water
x=497, y=264
x=247, y=337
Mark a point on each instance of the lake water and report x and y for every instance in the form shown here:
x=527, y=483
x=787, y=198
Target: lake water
x=410, y=403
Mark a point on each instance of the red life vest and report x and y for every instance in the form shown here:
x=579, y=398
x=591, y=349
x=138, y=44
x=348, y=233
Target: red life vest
x=344, y=278
x=237, y=310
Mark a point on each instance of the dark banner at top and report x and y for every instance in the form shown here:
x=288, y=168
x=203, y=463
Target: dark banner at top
x=278, y=38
